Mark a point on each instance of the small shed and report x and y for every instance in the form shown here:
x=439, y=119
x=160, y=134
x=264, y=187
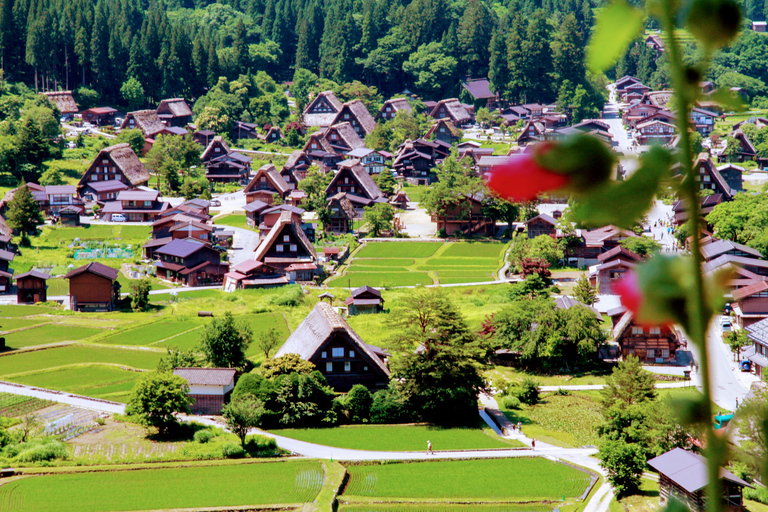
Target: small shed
x=365, y=300
x=31, y=287
x=70, y=215
x=93, y=287
x=683, y=476
x=326, y=295
x=209, y=388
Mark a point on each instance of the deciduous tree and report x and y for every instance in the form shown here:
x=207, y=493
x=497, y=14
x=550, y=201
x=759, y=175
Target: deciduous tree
x=157, y=397
x=224, y=341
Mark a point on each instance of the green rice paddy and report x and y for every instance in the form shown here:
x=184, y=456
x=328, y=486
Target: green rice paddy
x=24, y=362
x=49, y=333
x=401, y=437
x=529, y=478
x=99, y=381
x=452, y=507
x=167, y=488
x=151, y=333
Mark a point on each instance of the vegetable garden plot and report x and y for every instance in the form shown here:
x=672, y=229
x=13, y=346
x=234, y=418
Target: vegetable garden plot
x=14, y=406
x=509, y=479
x=166, y=488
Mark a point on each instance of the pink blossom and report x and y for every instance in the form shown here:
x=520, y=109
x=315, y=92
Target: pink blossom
x=522, y=179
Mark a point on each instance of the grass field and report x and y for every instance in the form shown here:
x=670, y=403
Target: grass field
x=11, y=324
x=233, y=220
x=512, y=479
x=151, y=333
x=381, y=279
x=567, y=421
x=168, y=488
x=646, y=500
x=15, y=311
x=49, y=333
x=401, y=438
x=399, y=250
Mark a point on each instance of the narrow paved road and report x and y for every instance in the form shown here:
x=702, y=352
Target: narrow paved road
x=243, y=245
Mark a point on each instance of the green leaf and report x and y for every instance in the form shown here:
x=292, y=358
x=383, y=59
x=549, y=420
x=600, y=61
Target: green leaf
x=617, y=25
x=623, y=203
x=728, y=99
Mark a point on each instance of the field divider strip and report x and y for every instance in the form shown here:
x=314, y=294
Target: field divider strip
x=175, y=335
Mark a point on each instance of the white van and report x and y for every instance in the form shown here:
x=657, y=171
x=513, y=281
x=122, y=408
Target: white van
x=725, y=324
x=118, y=217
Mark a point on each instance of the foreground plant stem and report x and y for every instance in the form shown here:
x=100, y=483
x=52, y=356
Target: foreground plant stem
x=700, y=317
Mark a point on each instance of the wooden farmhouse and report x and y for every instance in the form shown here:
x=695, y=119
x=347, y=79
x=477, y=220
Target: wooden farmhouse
x=611, y=267
x=533, y=131
x=31, y=287
x=295, y=168
x=102, y=191
x=355, y=113
x=99, y=116
x=117, y=162
x=6, y=273
x=190, y=262
x=415, y=160
x=288, y=249
x=174, y=112
x=325, y=339
x=390, y=108
x=400, y=199
x=273, y=135
x=758, y=334
x=354, y=181
x=453, y=110
x=444, y=130
x=242, y=130
x=733, y=176
x=271, y=215
x=209, y=388
x=365, y=300
x=222, y=165
x=703, y=121
x=709, y=177
x=265, y=184
x=93, y=287
x=335, y=141
x=137, y=205
x=63, y=101
x=467, y=217
x=374, y=162
x=747, y=150
x=480, y=91
x=683, y=476
x=252, y=274
x=624, y=82
x=655, y=132
x=322, y=110
x=253, y=211
x=656, y=344
x=145, y=120
x=342, y=214
x=542, y=224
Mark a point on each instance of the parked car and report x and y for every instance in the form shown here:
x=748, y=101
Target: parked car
x=725, y=324
x=118, y=217
x=215, y=202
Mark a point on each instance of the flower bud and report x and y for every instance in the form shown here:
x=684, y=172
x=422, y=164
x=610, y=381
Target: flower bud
x=522, y=179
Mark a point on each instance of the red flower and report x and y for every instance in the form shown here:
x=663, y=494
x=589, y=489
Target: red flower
x=628, y=288
x=522, y=179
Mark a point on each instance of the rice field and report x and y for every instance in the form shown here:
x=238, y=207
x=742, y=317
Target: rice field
x=76, y=355
x=151, y=333
x=13, y=310
x=380, y=279
x=49, y=333
x=167, y=488
x=11, y=324
x=530, y=478
x=398, y=250
x=401, y=437
x=452, y=507
x=98, y=381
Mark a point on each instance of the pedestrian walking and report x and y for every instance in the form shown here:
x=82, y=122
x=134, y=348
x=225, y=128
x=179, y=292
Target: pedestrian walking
x=429, y=448
x=519, y=427
x=533, y=444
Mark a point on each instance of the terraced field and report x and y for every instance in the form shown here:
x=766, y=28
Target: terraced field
x=388, y=264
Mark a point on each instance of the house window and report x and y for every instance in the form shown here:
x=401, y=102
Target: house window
x=314, y=146
x=94, y=177
x=651, y=353
x=293, y=248
x=347, y=366
x=365, y=368
x=279, y=248
x=286, y=238
x=352, y=189
x=346, y=181
x=323, y=355
x=351, y=353
x=637, y=330
x=346, y=116
x=655, y=330
x=217, y=149
x=329, y=367
x=665, y=353
x=105, y=161
x=337, y=352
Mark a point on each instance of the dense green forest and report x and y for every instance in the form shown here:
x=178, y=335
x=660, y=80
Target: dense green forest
x=181, y=48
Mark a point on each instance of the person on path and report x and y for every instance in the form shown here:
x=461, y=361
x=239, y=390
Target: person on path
x=429, y=448
x=519, y=427
x=533, y=444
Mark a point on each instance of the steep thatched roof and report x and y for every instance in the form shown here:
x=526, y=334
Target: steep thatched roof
x=127, y=161
x=177, y=107
x=286, y=221
x=63, y=101
x=269, y=172
x=357, y=109
x=145, y=120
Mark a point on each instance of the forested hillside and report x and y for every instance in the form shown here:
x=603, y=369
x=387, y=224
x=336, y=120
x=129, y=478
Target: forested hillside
x=180, y=48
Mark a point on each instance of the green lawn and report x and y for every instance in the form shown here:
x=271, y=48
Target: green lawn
x=14, y=311
x=415, y=193
x=398, y=250
x=567, y=421
x=99, y=232
x=233, y=220
x=261, y=323
x=408, y=438
x=167, y=488
x=99, y=381
x=76, y=354
x=531, y=478
x=646, y=499
x=49, y=333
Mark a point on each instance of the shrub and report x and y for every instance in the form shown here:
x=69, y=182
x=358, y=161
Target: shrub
x=759, y=494
x=291, y=297
x=562, y=392
x=358, y=403
x=42, y=452
x=388, y=406
x=527, y=391
x=232, y=451
x=510, y=402
x=260, y=444
x=101, y=421
x=203, y=436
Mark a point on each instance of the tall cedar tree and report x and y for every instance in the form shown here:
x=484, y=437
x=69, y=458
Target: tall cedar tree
x=439, y=359
x=24, y=213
